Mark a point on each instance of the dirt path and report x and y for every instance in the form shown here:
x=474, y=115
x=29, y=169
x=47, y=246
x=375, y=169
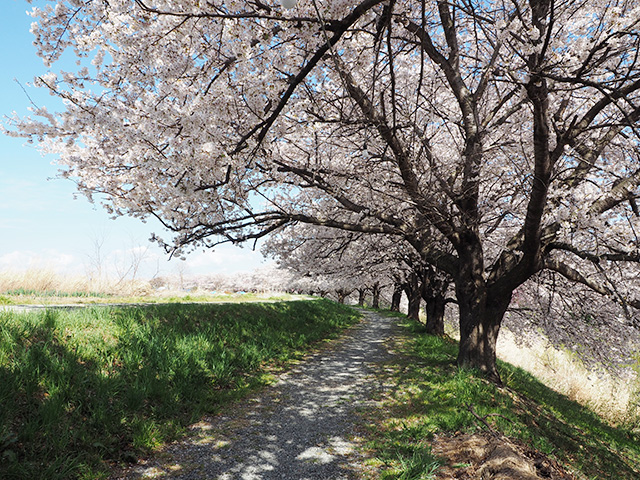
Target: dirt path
x=302, y=428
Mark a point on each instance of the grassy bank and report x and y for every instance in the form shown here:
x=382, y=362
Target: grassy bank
x=429, y=398
x=55, y=298
x=81, y=388
x=23, y=296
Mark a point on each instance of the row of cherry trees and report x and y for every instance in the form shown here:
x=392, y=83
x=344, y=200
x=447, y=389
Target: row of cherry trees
x=342, y=263
x=493, y=141
x=378, y=270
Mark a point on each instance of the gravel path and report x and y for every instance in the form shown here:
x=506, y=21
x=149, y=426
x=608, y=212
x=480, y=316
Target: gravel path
x=301, y=428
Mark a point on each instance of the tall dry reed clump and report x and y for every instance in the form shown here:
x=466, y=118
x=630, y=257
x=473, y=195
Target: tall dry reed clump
x=43, y=282
x=615, y=397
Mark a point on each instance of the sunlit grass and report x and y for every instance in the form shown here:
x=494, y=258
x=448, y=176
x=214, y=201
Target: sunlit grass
x=83, y=387
x=429, y=395
x=614, y=396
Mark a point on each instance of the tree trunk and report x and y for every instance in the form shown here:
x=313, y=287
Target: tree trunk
x=435, y=314
x=480, y=320
x=396, y=297
x=481, y=308
x=342, y=296
x=412, y=290
x=361, y=295
x=414, y=306
x=434, y=288
x=375, y=291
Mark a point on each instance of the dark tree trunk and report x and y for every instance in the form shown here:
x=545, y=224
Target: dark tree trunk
x=413, y=311
x=481, y=308
x=412, y=290
x=396, y=297
x=342, y=296
x=480, y=320
x=434, y=288
x=361, y=296
x=375, y=292
x=435, y=314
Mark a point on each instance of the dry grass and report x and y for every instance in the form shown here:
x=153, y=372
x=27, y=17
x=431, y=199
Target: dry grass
x=613, y=398
x=43, y=286
x=48, y=283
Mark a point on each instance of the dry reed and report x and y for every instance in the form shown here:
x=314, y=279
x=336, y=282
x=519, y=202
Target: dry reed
x=614, y=398
x=43, y=282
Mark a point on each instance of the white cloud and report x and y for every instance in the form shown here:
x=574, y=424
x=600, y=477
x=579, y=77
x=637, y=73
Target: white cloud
x=113, y=263
x=49, y=259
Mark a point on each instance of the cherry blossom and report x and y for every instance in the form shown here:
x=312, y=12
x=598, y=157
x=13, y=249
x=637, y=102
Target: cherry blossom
x=497, y=139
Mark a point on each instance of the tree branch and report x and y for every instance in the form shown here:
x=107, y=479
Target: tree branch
x=575, y=276
x=263, y=128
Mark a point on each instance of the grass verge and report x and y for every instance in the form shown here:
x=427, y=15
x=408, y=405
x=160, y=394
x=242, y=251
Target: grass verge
x=56, y=298
x=80, y=389
x=428, y=396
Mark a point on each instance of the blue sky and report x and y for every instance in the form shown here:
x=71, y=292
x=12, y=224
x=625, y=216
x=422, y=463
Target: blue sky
x=43, y=225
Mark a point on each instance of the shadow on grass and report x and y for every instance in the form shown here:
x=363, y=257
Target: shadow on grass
x=83, y=387
x=431, y=395
x=301, y=428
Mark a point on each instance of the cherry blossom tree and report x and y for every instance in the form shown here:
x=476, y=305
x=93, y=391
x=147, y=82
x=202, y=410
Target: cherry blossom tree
x=346, y=261
x=498, y=139
x=364, y=262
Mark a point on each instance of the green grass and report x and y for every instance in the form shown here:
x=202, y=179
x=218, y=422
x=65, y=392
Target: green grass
x=218, y=298
x=29, y=292
x=431, y=395
x=22, y=296
x=80, y=389
x=6, y=300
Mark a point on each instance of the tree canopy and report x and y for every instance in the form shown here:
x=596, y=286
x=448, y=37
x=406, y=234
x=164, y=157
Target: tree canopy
x=498, y=139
